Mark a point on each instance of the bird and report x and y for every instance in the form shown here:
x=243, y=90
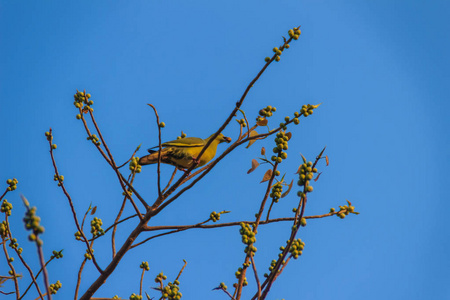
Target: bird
x=182, y=153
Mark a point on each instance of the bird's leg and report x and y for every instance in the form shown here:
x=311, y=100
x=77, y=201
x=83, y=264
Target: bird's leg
x=195, y=160
x=184, y=170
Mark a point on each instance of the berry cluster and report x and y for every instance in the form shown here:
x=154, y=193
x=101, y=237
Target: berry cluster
x=88, y=255
x=214, y=216
x=160, y=277
x=277, y=189
x=32, y=222
x=238, y=275
x=78, y=236
x=183, y=135
x=4, y=229
x=272, y=266
x=248, y=237
x=134, y=165
x=54, y=287
x=82, y=102
x=135, y=297
x=13, y=243
x=267, y=111
x=12, y=184
x=59, y=178
x=308, y=109
x=306, y=173
x=297, y=248
x=57, y=254
x=242, y=122
x=144, y=265
x=95, y=140
x=295, y=33
x=49, y=136
x=96, y=227
x=281, y=141
x=172, y=291
x=223, y=286
x=345, y=210
x=6, y=207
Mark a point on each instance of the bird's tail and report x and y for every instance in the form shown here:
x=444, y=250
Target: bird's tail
x=152, y=158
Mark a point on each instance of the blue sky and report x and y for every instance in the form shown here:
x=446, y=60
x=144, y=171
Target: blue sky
x=380, y=68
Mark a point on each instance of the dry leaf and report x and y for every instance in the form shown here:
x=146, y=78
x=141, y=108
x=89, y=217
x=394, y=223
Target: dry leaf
x=289, y=135
x=318, y=175
x=255, y=164
x=304, y=158
x=267, y=176
x=252, y=133
x=289, y=189
x=263, y=151
x=326, y=158
x=94, y=210
x=262, y=122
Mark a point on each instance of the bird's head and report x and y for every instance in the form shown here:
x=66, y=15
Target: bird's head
x=221, y=138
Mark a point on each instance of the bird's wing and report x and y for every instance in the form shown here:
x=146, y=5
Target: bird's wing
x=184, y=142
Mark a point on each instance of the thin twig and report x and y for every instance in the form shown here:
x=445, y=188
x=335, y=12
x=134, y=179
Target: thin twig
x=256, y=276
x=134, y=153
x=89, y=135
x=44, y=269
x=181, y=271
x=14, y=274
x=166, y=233
x=159, y=151
x=119, y=214
x=298, y=217
x=71, y=203
x=170, y=181
x=77, y=288
x=142, y=279
x=237, y=223
x=238, y=291
x=37, y=275
x=33, y=278
x=113, y=163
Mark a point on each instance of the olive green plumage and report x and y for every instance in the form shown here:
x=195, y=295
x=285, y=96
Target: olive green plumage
x=181, y=153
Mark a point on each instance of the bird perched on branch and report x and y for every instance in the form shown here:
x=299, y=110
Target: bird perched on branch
x=183, y=152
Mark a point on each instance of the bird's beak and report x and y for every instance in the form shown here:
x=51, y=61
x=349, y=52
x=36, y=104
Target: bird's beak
x=227, y=139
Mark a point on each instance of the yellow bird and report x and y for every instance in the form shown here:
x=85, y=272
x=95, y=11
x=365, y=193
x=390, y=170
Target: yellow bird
x=181, y=153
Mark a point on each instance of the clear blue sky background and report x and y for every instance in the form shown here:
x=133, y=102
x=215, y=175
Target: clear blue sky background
x=381, y=69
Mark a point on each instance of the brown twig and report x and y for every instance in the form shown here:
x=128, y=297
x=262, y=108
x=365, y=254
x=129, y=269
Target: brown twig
x=44, y=269
x=166, y=233
x=37, y=275
x=159, y=151
x=119, y=214
x=77, y=288
x=130, y=186
x=170, y=181
x=33, y=278
x=298, y=216
x=61, y=183
x=89, y=134
x=134, y=153
x=256, y=276
x=238, y=291
x=237, y=223
x=113, y=164
x=14, y=274
x=181, y=271
x=142, y=280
